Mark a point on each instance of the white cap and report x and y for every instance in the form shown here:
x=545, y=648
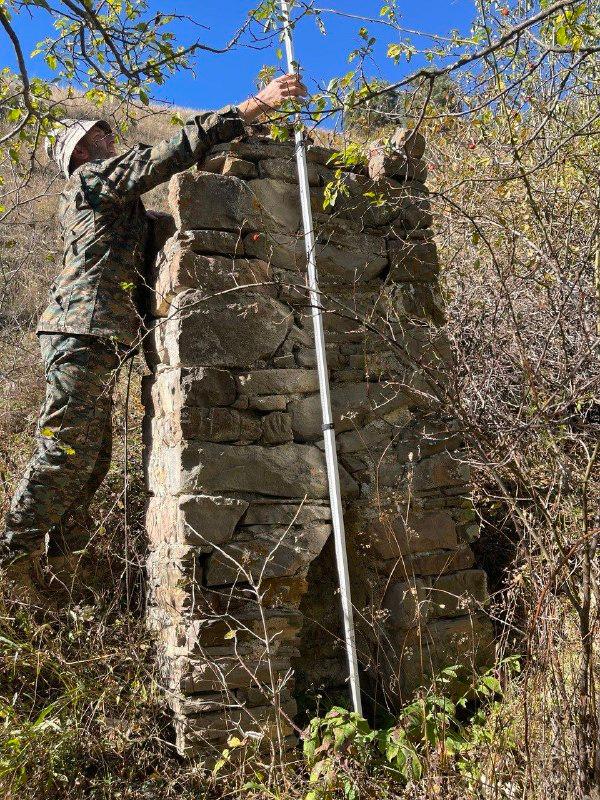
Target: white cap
x=66, y=136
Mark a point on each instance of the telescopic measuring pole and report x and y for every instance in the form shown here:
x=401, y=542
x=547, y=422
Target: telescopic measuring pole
x=333, y=476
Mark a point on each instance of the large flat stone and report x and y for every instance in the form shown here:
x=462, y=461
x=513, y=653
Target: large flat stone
x=382, y=165
x=219, y=202
x=285, y=169
x=267, y=553
x=211, y=242
x=373, y=437
x=406, y=604
x=284, y=514
x=440, y=471
x=286, y=471
x=241, y=330
x=277, y=381
x=225, y=674
x=427, y=564
x=395, y=535
x=256, y=149
x=467, y=640
x=184, y=269
x=196, y=734
x=205, y=424
x=281, y=204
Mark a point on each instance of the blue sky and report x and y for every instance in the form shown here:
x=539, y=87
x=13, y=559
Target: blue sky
x=221, y=79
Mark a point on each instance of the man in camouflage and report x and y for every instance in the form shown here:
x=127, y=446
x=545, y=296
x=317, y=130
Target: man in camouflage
x=92, y=322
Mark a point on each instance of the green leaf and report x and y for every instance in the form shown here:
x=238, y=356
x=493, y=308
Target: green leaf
x=492, y=683
x=561, y=36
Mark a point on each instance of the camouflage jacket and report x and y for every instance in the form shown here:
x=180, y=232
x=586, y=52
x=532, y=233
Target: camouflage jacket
x=104, y=229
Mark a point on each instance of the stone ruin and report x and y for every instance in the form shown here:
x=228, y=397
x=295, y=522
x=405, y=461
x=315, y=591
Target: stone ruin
x=241, y=569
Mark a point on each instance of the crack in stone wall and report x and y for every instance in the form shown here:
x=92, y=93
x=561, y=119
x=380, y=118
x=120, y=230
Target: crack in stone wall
x=241, y=571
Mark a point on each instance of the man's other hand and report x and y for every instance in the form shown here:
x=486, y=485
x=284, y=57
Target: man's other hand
x=272, y=96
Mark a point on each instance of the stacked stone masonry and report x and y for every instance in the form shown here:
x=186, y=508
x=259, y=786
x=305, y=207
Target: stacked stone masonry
x=241, y=568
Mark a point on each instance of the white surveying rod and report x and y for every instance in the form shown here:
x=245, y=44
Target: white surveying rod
x=333, y=476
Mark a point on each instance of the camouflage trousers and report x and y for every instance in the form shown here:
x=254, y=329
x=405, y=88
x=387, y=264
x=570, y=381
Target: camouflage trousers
x=74, y=438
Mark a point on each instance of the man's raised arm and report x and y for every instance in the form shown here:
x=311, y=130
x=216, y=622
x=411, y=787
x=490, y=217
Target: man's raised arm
x=144, y=167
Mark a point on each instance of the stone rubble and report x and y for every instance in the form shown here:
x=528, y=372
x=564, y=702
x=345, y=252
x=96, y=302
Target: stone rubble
x=243, y=587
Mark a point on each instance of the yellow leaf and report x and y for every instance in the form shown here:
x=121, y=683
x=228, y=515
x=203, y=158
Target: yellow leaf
x=233, y=741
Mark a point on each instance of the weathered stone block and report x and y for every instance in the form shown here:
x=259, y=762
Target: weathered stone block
x=196, y=733
x=277, y=428
x=393, y=535
x=254, y=150
x=268, y=402
x=204, y=200
x=210, y=242
x=436, y=563
x=412, y=300
x=284, y=514
x=443, y=643
x=439, y=471
x=287, y=471
x=258, y=149
x=391, y=165
x=405, y=205
x=280, y=202
x=239, y=331
x=268, y=553
x=225, y=674
x=204, y=424
x=372, y=438
x=349, y=255
x=277, y=382
x=198, y=520
x=211, y=275
x=408, y=140
x=239, y=168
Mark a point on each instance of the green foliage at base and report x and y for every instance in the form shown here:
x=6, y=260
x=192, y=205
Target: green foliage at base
x=446, y=726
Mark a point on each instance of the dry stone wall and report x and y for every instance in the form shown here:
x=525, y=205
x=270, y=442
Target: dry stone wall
x=241, y=569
